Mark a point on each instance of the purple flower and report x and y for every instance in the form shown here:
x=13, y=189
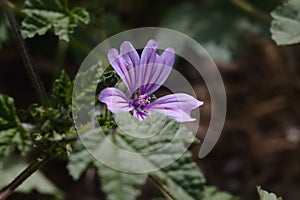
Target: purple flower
x=143, y=76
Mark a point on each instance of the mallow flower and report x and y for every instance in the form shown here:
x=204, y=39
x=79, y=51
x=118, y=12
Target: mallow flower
x=143, y=75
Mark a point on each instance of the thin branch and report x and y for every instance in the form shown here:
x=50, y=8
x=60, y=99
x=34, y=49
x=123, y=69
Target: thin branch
x=157, y=182
x=252, y=10
x=33, y=167
x=52, y=152
x=34, y=76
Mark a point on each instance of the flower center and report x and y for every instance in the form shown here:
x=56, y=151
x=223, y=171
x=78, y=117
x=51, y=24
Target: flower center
x=143, y=99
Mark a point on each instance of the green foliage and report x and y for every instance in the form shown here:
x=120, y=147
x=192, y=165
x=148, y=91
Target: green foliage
x=212, y=193
x=115, y=184
x=219, y=27
x=285, y=27
x=159, y=142
x=120, y=185
x=86, y=83
x=78, y=163
x=52, y=124
x=43, y=15
x=264, y=195
x=37, y=181
x=49, y=119
x=182, y=177
x=89, y=83
x=62, y=91
x=109, y=78
x=12, y=134
x=8, y=117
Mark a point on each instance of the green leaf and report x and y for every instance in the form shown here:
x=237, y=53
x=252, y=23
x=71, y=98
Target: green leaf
x=85, y=93
x=12, y=134
x=183, y=178
x=116, y=184
x=81, y=159
x=264, y=195
x=51, y=124
x=81, y=14
x=285, y=26
x=215, y=25
x=78, y=163
x=120, y=185
x=62, y=91
x=212, y=193
x=42, y=15
x=163, y=138
x=8, y=117
x=36, y=182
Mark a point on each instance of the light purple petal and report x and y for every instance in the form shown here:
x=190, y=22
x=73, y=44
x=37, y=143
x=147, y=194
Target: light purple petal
x=167, y=58
x=150, y=52
x=125, y=62
x=155, y=68
x=115, y=100
x=160, y=70
x=139, y=115
x=177, y=106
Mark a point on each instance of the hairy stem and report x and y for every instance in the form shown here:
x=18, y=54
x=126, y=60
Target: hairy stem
x=162, y=187
x=34, y=166
x=34, y=76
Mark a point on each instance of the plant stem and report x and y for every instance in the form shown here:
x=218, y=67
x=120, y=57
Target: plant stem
x=34, y=76
x=162, y=187
x=34, y=166
x=250, y=9
x=52, y=152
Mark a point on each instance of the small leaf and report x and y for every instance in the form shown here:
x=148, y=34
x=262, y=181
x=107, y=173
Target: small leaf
x=43, y=15
x=264, y=195
x=285, y=27
x=62, y=91
x=51, y=124
x=8, y=117
x=81, y=14
x=12, y=134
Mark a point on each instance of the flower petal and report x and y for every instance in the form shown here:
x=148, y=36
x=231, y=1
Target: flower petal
x=139, y=115
x=125, y=62
x=149, y=52
x=167, y=58
x=177, y=106
x=115, y=100
x=155, y=68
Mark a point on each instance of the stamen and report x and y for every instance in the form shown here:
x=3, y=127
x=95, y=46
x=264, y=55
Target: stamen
x=143, y=99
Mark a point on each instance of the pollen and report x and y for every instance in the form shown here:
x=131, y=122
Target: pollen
x=143, y=99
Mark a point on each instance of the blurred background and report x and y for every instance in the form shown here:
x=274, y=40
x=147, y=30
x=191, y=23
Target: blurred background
x=260, y=143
